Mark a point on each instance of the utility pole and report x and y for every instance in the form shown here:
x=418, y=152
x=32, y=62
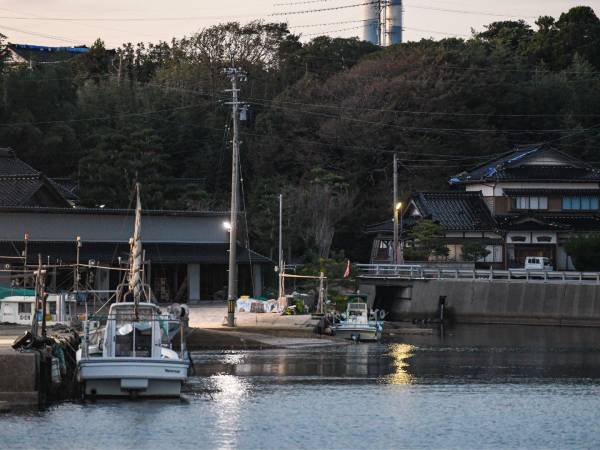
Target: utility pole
x=395, y=252
x=234, y=75
x=280, y=259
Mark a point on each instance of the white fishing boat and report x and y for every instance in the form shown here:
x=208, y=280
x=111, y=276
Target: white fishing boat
x=130, y=351
x=132, y=354
x=357, y=325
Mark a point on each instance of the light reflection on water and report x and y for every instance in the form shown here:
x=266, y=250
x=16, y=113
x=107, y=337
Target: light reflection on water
x=400, y=354
x=493, y=387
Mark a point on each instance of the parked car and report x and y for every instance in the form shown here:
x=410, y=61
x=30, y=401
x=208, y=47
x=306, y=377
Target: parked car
x=538, y=263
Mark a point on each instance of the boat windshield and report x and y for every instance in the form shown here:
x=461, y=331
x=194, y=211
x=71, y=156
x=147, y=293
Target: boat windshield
x=133, y=337
x=357, y=309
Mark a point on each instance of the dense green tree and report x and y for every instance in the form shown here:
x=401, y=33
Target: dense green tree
x=326, y=117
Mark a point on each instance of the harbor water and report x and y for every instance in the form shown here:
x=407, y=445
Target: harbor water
x=472, y=387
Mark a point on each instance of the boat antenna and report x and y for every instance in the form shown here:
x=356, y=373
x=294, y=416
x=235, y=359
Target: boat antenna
x=135, y=280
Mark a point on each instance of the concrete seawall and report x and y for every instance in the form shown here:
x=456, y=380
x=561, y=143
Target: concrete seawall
x=485, y=301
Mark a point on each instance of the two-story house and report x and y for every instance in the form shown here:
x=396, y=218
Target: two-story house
x=538, y=198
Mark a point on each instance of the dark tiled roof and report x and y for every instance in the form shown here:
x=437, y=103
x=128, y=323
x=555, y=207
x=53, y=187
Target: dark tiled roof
x=18, y=190
x=562, y=222
x=510, y=167
x=22, y=185
x=11, y=165
x=387, y=227
x=109, y=252
x=525, y=191
x=549, y=173
x=455, y=211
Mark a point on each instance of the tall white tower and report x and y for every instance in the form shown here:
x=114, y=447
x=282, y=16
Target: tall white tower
x=383, y=22
x=371, y=16
x=393, y=22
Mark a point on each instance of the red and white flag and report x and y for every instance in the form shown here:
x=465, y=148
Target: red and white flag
x=347, y=271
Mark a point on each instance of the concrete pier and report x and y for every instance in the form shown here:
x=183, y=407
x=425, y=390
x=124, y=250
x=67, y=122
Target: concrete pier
x=19, y=375
x=489, y=301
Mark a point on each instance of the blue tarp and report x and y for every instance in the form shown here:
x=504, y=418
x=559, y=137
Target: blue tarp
x=44, y=48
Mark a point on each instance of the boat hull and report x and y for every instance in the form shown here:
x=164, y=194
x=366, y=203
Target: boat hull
x=125, y=377
x=357, y=333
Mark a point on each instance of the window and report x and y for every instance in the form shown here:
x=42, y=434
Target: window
x=530, y=202
x=24, y=308
x=577, y=202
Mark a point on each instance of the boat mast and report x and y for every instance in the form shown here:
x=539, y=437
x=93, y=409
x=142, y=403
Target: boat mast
x=135, y=280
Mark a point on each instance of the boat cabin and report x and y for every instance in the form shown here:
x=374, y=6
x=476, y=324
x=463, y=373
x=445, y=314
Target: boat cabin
x=134, y=336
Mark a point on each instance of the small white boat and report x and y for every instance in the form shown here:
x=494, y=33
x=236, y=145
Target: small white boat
x=132, y=354
x=356, y=324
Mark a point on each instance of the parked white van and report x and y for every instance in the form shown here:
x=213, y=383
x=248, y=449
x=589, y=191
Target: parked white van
x=538, y=263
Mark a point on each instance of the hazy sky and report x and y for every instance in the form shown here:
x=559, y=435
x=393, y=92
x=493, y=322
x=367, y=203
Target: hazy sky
x=20, y=19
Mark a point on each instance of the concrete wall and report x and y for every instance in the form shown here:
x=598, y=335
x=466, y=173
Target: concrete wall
x=19, y=378
x=496, y=301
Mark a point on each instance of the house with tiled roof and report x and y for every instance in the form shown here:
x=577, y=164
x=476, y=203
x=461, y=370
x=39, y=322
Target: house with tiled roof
x=22, y=185
x=536, y=197
x=464, y=216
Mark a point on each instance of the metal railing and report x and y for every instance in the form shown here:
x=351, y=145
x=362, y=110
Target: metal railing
x=418, y=272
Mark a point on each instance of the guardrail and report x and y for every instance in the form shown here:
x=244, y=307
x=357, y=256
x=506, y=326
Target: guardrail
x=417, y=272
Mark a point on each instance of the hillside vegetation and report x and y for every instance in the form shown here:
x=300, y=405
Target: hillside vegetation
x=326, y=117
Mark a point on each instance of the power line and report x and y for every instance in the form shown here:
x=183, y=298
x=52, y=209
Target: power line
x=466, y=11
x=322, y=33
x=333, y=8
x=47, y=36
x=421, y=129
x=100, y=118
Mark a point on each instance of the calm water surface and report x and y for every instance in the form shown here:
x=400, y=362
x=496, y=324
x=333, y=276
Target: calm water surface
x=475, y=387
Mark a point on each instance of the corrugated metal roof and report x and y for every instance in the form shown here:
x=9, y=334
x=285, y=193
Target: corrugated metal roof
x=110, y=211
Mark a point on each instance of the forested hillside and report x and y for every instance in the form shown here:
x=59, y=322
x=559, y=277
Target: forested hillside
x=326, y=117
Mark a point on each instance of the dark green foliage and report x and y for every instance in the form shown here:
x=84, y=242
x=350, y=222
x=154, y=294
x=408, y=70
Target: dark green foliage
x=328, y=114
x=474, y=252
x=427, y=240
x=585, y=252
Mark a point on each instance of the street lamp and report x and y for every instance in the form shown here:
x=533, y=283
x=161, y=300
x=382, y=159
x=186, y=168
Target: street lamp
x=398, y=257
x=227, y=225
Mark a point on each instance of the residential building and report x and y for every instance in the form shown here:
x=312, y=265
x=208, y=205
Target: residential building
x=537, y=197
x=19, y=54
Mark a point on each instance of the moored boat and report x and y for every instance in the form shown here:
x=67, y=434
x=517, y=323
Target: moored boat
x=356, y=324
x=132, y=354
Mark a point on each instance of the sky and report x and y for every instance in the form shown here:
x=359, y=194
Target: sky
x=75, y=22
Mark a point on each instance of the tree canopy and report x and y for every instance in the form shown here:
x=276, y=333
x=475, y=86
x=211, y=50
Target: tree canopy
x=326, y=117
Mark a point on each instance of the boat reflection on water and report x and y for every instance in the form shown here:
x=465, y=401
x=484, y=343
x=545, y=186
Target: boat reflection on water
x=400, y=354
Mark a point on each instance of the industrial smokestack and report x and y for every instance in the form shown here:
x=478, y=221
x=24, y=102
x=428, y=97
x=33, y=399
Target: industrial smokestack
x=393, y=27
x=371, y=13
